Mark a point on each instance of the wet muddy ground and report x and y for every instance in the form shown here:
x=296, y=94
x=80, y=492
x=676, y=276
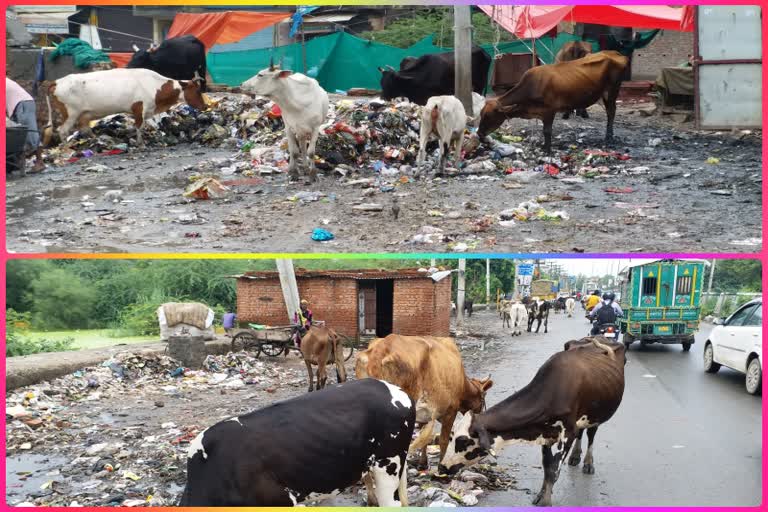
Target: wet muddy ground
x=680, y=190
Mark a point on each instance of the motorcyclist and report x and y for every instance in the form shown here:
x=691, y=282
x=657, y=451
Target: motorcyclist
x=604, y=313
x=592, y=301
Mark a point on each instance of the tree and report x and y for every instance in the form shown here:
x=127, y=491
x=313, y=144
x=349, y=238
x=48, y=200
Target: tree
x=407, y=31
x=61, y=300
x=732, y=276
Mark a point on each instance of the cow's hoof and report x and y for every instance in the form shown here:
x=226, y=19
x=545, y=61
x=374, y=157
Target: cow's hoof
x=588, y=469
x=574, y=460
x=539, y=500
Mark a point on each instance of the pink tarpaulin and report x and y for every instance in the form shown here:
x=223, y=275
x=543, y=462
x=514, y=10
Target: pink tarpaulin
x=533, y=21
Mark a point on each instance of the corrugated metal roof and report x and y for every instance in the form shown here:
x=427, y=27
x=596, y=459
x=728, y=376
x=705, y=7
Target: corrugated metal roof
x=328, y=18
x=362, y=274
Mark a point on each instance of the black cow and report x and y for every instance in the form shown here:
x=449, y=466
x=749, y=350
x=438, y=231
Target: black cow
x=469, y=305
x=178, y=58
x=538, y=311
x=583, y=386
x=306, y=448
x=432, y=75
x=559, y=305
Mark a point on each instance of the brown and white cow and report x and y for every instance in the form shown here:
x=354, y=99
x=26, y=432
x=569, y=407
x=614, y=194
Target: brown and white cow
x=430, y=370
x=572, y=51
x=321, y=346
x=82, y=97
x=544, y=91
x=577, y=389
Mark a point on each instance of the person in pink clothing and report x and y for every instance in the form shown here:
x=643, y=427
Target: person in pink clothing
x=20, y=108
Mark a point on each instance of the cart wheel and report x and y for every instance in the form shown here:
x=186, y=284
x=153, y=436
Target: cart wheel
x=272, y=349
x=349, y=347
x=243, y=341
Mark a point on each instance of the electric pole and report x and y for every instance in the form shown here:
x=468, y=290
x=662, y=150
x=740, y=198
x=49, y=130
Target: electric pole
x=487, y=283
x=462, y=48
x=460, y=295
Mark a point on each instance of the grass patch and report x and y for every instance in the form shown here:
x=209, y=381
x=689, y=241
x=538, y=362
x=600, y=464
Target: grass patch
x=91, y=338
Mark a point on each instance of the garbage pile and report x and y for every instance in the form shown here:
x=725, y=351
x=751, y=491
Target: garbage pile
x=91, y=459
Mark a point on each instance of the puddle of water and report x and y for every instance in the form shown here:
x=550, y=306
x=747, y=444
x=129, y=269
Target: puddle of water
x=34, y=468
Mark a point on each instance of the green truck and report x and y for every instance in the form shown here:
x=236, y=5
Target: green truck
x=661, y=302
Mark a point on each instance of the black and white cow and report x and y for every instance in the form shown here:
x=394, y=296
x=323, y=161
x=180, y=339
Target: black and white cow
x=575, y=390
x=306, y=448
x=538, y=310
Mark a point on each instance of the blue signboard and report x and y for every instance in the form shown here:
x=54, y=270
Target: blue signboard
x=525, y=269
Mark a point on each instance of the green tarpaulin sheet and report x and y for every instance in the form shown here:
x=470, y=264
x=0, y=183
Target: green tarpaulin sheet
x=342, y=61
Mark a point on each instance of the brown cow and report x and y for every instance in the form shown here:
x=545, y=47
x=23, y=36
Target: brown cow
x=546, y=90
x=572, y=51
x=429, y=369
x=577, y=389
x=321, y=346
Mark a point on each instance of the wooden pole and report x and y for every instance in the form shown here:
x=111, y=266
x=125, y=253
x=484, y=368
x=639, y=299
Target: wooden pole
x=462, y=47
x=711, y=275
x=289, y=287
x=460, y=295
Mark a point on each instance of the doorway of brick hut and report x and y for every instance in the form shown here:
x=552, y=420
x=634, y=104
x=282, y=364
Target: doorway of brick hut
x=375, y=301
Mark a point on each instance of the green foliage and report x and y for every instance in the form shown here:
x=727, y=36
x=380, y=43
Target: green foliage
x=140, y=319
x=735, y=276
x=17, y=343
x=406, y=31
x=60, y=300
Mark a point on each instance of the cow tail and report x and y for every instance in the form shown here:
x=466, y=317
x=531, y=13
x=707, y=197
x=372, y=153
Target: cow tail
x=47, y=135
x=435, y=114
x=204, y=74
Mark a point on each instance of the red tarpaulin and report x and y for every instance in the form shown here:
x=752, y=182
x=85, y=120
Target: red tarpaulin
x=533, y=21
x=223, y=27
x=120, y=59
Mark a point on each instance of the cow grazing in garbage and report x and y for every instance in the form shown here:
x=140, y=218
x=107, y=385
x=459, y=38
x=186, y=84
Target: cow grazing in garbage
x=304, y=106
x=445, y=118
x=572, y=51
x=321, y=346
x=544, y=91
x=180, y=58
x=82, y=97
x=305, y=448
x=431, y=371
x=431, y=75
x=577, y=389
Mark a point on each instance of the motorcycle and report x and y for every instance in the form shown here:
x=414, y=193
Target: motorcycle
x=610, y=331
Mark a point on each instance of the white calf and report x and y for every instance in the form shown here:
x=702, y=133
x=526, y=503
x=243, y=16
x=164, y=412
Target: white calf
x=304, y=106
x=443, y=116
x=519, y=315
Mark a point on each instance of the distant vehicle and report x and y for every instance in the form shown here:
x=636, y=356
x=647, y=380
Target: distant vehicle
x=544, y=289
x=660, y=301
x=737, y=342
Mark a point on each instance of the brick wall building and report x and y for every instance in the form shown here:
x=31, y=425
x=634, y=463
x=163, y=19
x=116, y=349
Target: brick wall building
x=668, y=49
x=353, y=302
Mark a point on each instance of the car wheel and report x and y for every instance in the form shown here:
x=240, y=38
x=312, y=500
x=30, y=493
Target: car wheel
x=754, y=381
x=710, y=366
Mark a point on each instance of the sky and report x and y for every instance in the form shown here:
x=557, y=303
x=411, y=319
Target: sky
x=596, y=267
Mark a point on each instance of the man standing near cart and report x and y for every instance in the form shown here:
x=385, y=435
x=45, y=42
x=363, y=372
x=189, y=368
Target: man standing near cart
x=20, y=108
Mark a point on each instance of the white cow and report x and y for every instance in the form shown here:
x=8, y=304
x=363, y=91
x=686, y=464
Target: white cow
x=83, y=97
x=519, y=316
x=570, y=305
x=443, y=116
x=304, y=106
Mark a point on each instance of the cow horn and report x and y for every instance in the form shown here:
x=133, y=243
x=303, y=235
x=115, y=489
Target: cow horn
x=135, y=48
x=197, y=76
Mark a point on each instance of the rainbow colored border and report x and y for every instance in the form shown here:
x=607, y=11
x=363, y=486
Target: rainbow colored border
x=762, y=256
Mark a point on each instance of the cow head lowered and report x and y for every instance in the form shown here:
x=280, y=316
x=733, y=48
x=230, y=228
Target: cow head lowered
x=470, y=442
x=474, y=395
x=492, y=116
x=392, y=83
x=267, y=82
x=193, y=95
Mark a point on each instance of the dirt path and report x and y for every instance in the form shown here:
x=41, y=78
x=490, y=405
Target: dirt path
x=666, y=197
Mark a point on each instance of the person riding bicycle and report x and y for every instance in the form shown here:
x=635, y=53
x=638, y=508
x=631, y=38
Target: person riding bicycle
x=604, y=313
x=303, y=319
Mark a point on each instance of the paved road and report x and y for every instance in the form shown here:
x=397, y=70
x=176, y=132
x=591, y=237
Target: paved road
x=680, y=437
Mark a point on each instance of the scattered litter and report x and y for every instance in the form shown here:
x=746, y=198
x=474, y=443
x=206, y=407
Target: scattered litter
x=531, y=210
x=207, y=188
x=322, y=235
x=619, y=190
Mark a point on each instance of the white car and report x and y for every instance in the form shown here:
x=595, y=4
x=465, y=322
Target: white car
x=737, y=343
